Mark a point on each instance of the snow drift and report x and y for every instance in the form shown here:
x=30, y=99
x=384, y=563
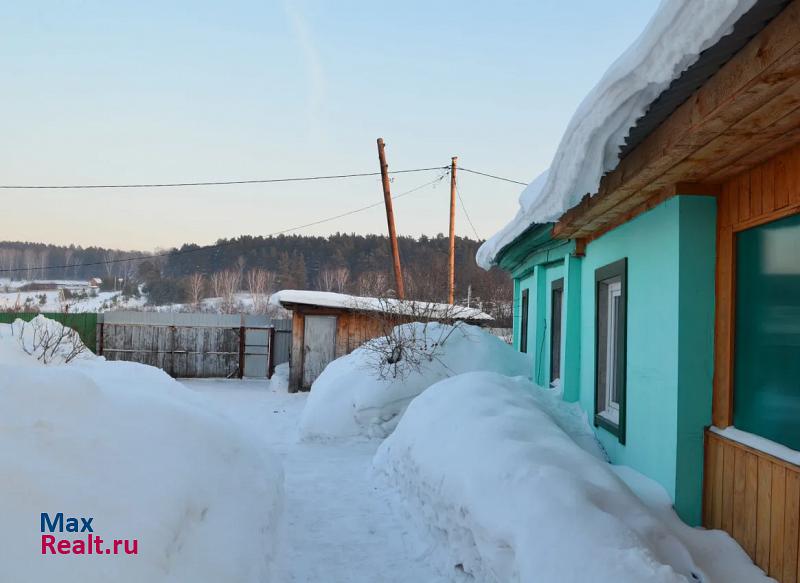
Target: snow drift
x=487, y=464
x=670, y=43
x=351, y=398
x=129, y=446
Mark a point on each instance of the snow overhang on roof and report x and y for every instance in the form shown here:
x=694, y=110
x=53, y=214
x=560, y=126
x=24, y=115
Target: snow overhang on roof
x=290, y=298
x=684, y=44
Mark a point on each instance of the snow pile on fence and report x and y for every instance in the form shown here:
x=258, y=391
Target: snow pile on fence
x=359, y=394
x=670, y=43
x=489, y=469
x=145, y=458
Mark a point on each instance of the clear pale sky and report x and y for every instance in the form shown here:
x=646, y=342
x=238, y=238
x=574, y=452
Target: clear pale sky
x=146, y=91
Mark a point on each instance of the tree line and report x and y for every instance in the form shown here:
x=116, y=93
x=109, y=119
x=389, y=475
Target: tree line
x=345, y=263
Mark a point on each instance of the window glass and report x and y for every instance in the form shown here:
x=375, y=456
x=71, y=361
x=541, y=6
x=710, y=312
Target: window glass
x=767, y=328
x=610, y=344
x=556, y=308
x=523, y=330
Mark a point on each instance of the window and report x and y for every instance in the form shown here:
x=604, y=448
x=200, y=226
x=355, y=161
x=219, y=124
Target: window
x=556, y=304
x=766, y=375
x=523, y=330
x=610, y=345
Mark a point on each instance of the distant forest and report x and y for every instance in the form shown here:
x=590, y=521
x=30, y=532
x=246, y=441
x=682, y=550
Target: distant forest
x=348, y=263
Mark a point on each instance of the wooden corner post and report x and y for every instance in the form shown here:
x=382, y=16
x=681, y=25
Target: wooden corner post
x=387, y=199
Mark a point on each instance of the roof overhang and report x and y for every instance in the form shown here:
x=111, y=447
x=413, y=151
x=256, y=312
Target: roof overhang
x=746, y=109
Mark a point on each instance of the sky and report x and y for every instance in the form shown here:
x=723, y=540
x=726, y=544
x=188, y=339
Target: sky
x=147, y=92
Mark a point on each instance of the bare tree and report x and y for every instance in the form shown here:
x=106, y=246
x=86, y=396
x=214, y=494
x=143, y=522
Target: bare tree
x=196, y=288
x=373, y=284
x=260, y=283
x=226, y=284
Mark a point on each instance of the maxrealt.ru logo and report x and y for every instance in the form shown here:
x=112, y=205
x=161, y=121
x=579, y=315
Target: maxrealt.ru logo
x=87, y=543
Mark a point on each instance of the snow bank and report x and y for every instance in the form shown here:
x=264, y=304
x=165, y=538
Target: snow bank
x=351, y=398
x=41, y=340
x=143, y=456
x=287, y=297
x=670, y=43
x=489, y=468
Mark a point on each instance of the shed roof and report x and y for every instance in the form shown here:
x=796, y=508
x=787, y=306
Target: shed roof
x=291, y=298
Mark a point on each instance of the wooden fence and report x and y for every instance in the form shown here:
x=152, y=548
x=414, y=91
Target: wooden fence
x=756, y=498
x=193, y=345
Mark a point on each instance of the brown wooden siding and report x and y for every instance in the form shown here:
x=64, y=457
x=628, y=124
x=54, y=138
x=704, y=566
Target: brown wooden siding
x=760, y=195
x=352, y=330
x=756, y=498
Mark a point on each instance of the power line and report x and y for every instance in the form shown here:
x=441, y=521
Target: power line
x=216, y=246
x=212, y=183
x=466, y=214
x=234, y=182
x=492, y=176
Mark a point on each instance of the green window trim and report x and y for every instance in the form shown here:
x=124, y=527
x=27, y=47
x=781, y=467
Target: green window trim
x=611, y=301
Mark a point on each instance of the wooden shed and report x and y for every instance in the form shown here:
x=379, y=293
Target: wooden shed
x=328, y=325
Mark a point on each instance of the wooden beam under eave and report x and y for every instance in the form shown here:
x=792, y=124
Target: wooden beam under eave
x=766, y=68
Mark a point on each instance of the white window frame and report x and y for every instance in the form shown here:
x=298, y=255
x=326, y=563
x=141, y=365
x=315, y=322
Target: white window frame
x=610, y=408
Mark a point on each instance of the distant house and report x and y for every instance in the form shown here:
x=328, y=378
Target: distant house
x=95, y=282
x=328, y=325
x=667, y=302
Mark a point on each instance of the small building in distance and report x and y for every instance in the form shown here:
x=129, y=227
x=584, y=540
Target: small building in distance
x=328, y=325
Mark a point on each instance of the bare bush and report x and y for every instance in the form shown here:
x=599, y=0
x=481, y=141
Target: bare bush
x=401, y=350
x=48, y=341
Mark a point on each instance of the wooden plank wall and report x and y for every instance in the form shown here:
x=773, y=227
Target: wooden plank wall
x=756, y=498
x=765, y=193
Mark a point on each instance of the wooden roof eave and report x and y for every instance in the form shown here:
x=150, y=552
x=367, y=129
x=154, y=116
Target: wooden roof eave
x=746, y=112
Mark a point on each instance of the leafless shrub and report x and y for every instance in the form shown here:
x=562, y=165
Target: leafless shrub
x=401, y=350
x=48, y=341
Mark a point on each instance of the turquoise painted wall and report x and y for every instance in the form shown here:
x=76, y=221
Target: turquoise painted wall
x=697, y=247
x=671, y=255
x=650, y=242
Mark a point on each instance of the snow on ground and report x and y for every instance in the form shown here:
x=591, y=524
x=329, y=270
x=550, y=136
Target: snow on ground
x=339, y=527
x=491, y=471
x=145, y=458
x=670, y=43
x=31, y=300
x=359, y=394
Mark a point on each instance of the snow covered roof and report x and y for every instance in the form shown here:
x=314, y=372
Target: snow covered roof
x=288, y=297
x=671, y=43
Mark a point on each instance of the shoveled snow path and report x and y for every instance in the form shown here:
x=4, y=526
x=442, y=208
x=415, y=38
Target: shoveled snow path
x=339, y=526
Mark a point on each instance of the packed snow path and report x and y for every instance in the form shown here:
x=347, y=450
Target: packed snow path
x=339, y=527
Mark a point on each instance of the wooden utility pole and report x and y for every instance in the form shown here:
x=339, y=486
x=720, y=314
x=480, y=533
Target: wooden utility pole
x=451, y=288
x=387, y=198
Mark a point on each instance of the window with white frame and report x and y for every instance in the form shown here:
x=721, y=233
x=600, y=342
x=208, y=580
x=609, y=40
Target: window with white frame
x=610, y=342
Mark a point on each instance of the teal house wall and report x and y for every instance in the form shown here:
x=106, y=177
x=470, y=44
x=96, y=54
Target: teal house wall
x=670, y=324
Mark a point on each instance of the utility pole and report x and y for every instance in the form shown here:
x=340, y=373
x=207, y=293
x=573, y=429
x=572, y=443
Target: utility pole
x=451, y=288
x=387, y=199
